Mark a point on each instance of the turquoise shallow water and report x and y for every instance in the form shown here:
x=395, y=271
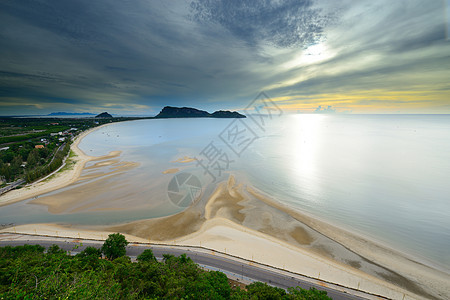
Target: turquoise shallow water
x=384, y=176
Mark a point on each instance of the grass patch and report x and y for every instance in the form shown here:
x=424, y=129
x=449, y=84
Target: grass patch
x=70, y=163
x=71, y=154
x=68, y=166
x=49, y=178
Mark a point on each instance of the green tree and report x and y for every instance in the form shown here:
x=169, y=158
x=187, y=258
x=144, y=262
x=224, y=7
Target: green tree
x=89, y=258
x=15, y=165
x=55, y=250
x=33, y=158
x=26, y=272
x=43, y=153
x=5, y=171
x=24, y=152
x=218, y=282
x=2, y=167
x=147, y=255
x=299, y=293
x=114, y=246
x=7, y=156
x=259, y=290
x=90, y=252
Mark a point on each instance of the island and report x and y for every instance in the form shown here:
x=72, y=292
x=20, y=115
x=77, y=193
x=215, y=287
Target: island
x=104, y=115
x=189, y=112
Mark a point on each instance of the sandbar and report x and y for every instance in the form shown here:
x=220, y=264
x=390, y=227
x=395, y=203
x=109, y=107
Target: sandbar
x=171, y=171
x=185, y=159
x=238, y=219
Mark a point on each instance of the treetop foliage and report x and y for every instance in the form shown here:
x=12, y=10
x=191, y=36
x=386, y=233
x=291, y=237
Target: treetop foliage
x=28, y=272
x=115, y=246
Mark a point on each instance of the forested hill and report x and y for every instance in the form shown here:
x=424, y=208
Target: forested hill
x=189, y=112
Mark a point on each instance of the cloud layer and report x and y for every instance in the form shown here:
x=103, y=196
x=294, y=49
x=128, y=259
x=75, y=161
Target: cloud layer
x=133, y=57
x=291, y=23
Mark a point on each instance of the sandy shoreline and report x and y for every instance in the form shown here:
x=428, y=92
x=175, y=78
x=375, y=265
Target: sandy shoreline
x=218, y=230
x=57, y=180
x=242, y=221
x=236, y=214
x=227, y=237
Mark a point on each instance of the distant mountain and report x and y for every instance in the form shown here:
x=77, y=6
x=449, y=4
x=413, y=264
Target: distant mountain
x=104, y=115
x=226, y=114
x=189, y=112
x=61, y=113
x=182, y=112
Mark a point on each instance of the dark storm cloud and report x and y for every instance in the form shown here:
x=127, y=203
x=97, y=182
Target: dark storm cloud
x=64, y=18
x=282, y=23
x=92, y=50
x=137, y=56
x=140, y=52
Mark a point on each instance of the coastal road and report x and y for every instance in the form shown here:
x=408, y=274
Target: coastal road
x=235, y=268
x=11, y=186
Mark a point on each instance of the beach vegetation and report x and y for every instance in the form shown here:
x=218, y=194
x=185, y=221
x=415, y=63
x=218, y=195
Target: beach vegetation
x=72, y=154
x=31, y=148
x=114, y=246
x=57, y=160
x=147, y=255
x=30, y=272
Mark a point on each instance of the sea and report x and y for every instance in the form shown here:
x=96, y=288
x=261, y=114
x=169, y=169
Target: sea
x=385, y=177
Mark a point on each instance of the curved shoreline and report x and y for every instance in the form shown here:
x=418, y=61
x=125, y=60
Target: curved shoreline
x=60, y=179
x=235, y=215
x=218, y=230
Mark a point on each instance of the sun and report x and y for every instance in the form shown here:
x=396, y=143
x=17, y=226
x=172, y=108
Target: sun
x=311, y=55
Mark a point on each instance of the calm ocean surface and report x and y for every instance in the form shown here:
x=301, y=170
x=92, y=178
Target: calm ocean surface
x=384, y=176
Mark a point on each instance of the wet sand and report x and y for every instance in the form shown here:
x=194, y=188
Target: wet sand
x=235, y=211
x=185, y=159
x=89, y=196
x=242, y=221
x=171, y=171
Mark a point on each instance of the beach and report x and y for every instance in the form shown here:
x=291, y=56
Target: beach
x=56, y=180
x=240, y=220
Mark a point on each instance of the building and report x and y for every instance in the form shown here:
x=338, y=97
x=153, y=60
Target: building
x=39, y=146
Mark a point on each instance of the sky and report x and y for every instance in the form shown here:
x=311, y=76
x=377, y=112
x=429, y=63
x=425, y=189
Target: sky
x=135, y=57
